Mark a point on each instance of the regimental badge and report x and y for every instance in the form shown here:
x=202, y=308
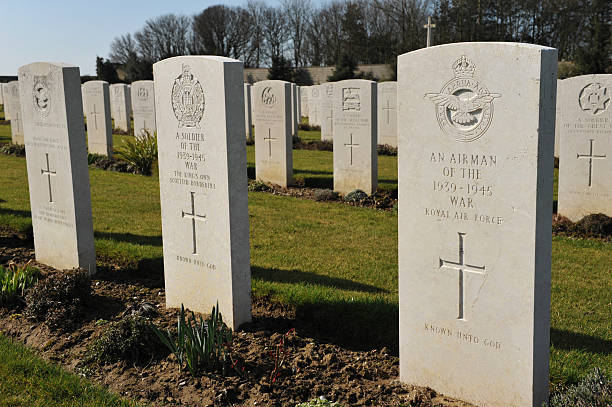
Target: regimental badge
x=143, y=93
x=594, y=98
x=351, y=99
x=267, y=97
x=41, y=96
x=188, y=99
x=464, y=106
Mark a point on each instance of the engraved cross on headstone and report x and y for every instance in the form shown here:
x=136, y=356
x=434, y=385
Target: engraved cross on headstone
x=330, y=119
x=591, y=157
x=388, y=108
x=95, y=115
x=463, y=268
x=269, y=139
x=194, y=217
x=49, y=174
x=429, y=26
x=351, y=145
x=18, y=121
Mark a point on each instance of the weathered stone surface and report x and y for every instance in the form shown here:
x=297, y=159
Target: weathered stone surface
x=387, y=113
x=294, y=110
x=475, y=202
x=314, y=107
x=273, y=143
x=248, y=119
x=327, y=111
x=557, y=123
x=13, y=104
x=96, y=99
x=202, y=173
x=56, y=158
x=585, y=156
x=1, y=94
x=142, y=95
x=354, y=126
x=5, y=91
x=304, y=92
x=120, y=106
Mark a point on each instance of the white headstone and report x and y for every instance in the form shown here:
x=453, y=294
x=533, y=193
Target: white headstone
x=273, y=143
x=475, y=204
x=299, y=104
x=56, y=158
x=558, y=124
x=294, y=119
x=142, y=95
x=120, y=107
x=314, y=100
x=387, y=113
x=6, y=95
x=1, y=94
x=96, y=99
x=14, y=107
x=202, y=173
x=248, y=120
x=304, y=92
x=585, y=132
x=83, y=99
x=354, y=124
x=327, y=111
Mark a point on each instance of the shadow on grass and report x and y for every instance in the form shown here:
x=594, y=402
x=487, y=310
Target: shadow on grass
x=147, y=272
x=319, y=182
x=15, y=212
x=130, y=238
x=355, y=325
x=387, y=181
x=567, y=340
x=297, y=276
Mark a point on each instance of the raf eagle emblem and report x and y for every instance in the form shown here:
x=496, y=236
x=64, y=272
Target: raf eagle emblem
x=464, y=106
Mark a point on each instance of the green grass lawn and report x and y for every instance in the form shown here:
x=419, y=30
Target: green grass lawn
x=335, y=263
x=28, y=381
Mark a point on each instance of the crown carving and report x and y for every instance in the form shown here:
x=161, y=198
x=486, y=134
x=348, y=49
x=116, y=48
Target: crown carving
x=464, y=67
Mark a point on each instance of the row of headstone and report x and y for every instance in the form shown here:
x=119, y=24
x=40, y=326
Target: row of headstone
x=475, y=191
x=202, y=161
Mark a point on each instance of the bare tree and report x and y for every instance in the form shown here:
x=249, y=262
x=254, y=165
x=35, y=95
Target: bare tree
x=122, y=49
x=219, y=30
x=298, y=14
x=164, y=37
x=275, y=32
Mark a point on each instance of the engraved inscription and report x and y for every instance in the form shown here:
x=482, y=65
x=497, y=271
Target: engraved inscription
x=463, y=336
x=462, y=178
x=464, y=106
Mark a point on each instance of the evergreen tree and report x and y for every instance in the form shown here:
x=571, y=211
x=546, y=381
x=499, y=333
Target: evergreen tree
x=594, y=56
x=106, y=71
x=281, y=69
x=344, y=70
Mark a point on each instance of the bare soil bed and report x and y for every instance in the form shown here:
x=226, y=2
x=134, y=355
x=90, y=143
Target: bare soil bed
x=312, y=367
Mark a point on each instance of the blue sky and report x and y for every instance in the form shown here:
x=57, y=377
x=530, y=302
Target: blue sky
x=75, y=31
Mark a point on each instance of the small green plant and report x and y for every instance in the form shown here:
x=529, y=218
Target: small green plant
x=356, y=196
x=15, y=280
x=17, y=150
x=140, y=153
x=58, y=299
x=199, y=345
x=386, y=149
x=595, y=390
x=130, y=339
x=258, y=186
x=320, y=402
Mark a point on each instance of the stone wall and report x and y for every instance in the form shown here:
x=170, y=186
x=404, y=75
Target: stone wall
x=318, y=74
